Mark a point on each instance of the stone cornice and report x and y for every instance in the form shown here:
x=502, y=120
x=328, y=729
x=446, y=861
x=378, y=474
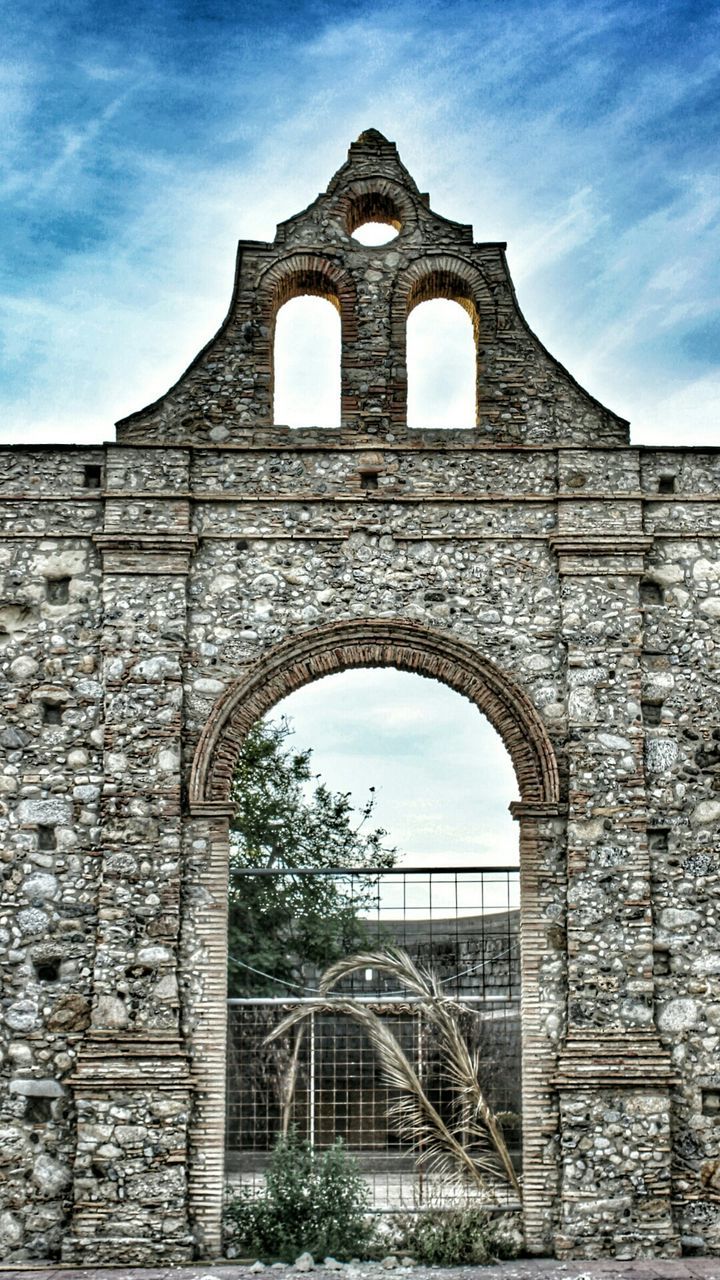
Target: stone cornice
x=156, y=541
x=115, y=1059
x=597, y=544
x=612, y=1058
x=211, y=809
x=156, y=553
x=600, y=554
x=541, y=809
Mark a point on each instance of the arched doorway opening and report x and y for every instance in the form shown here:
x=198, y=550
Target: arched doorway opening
x=392, y=840
x=291, y=665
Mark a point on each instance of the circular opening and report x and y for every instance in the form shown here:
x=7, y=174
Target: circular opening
x=373, y=219
x=375, y=233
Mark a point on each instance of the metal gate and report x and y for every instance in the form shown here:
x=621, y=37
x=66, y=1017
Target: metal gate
x=322, y=1078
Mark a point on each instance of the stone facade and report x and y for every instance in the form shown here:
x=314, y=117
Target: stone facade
x=161, y=592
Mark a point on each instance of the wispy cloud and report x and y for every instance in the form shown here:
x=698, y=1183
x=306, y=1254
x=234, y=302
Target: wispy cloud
x=77, y=141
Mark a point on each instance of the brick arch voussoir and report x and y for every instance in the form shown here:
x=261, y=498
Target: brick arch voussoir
x=295, y=276
x=368, y=643
x=360, y=194
x=307, y=273
x=441, y=275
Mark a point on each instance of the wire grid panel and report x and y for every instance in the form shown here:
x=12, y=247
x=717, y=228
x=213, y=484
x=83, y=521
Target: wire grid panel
x=322, y=1077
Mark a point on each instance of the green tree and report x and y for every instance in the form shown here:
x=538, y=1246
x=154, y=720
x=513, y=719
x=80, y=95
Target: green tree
x=286, y=927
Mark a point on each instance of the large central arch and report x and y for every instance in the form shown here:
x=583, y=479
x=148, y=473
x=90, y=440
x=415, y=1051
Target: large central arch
x=368, y=642
x=298, y=661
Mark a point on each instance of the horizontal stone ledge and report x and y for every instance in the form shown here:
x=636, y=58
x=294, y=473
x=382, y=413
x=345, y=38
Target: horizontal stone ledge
x=384, y=495
x=314, y=439
x=198, y=495
x=211, y=809
x=631, y=1059
x=540, y=809
x=34, y=1088
x=609, y=543
x=155, y=540
x=103, y=1044
x=107, y=1086
x=343, y=534
x=269, y=536
x=31, y=496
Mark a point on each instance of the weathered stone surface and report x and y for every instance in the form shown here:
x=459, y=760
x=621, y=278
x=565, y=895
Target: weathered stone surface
x=110, y=1013
x=40, y=885
x=11, y=1233
x=37, y=1088
x=50, y=1176
x=32, y=921
x=45, y=812
x=70, y=1013
x=22, y=1016
x=678, y=1015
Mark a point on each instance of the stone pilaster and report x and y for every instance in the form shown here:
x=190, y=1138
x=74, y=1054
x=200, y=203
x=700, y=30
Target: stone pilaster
x=543, y=978
x=132, y=1082
x=204, y=948
x=613, y=1076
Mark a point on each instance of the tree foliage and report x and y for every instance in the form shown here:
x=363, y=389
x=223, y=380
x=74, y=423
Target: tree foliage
x=286, y=927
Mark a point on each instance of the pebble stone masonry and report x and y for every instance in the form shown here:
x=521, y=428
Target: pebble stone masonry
x=160, y=593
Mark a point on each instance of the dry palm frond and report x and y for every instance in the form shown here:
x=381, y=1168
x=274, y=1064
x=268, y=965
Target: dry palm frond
x=442, y=1144
x=414, y=1113
x=288, y=1082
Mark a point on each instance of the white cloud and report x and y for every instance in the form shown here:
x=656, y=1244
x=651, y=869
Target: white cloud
x=443, y=780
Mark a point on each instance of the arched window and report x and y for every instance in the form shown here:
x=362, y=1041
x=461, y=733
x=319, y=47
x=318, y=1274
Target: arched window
x=441, y=365
x=307, y=363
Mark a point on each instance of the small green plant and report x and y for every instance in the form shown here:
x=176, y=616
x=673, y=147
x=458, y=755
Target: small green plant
x=465, y=1236
x=314, y=1201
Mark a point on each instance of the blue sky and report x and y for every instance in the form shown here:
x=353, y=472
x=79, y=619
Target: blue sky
x=139, y=142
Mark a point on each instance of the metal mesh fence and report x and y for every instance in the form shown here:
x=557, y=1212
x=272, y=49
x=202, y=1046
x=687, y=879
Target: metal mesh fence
x=322, y=1077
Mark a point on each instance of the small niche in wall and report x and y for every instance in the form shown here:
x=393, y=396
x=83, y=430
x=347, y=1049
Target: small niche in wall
x=51, y=713
x=650, y=592
x=46, y=838
x=47, y=970
x=368, y=480
x=92, y=476
x=651, y=712
x=38, y=1110
x=57, y=590
x=711, y=1102
x=661, y=962
x=666, y=484
x=657, y=838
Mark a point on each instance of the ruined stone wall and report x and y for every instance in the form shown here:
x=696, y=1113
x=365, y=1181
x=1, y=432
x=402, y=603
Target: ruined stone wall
x=50, y=788
x=681, y=687
x=567, y=583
